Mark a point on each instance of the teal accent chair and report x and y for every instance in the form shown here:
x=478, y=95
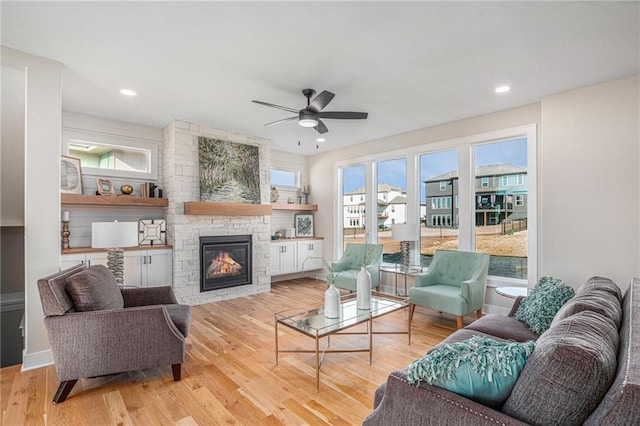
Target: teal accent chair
x=346, y=269
x=454, y=283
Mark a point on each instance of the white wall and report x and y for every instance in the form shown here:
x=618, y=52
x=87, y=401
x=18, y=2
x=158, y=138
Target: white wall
x=41, y=190
x=12, y=148
x=590, y=183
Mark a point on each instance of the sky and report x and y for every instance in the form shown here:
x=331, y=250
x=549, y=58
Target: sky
x=433, y=164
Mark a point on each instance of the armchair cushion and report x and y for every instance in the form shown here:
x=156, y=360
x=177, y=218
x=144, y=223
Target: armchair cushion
x=94, y=289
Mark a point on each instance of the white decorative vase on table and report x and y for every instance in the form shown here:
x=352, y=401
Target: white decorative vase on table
x=363, y=289
x=332, y=302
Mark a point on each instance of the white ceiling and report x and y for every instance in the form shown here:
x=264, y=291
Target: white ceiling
x=410, y=65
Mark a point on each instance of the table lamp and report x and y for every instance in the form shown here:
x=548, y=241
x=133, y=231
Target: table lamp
x=405, y=233
x=114, y=236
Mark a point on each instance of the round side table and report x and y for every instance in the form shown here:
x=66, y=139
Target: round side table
x=512, y=292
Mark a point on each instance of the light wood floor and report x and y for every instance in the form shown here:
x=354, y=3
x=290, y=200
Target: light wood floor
x=230, y=375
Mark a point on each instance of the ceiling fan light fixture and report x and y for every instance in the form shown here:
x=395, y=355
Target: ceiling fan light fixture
x=307, y=119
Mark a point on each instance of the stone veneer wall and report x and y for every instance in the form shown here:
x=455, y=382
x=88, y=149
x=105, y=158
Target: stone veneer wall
x=181, y=183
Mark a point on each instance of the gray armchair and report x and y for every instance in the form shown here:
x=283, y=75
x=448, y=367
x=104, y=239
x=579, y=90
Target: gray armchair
x=346, y=269
x=95, y=328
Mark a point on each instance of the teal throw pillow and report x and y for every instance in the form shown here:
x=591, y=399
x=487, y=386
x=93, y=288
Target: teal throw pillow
x=543, y=303
x=480, y=368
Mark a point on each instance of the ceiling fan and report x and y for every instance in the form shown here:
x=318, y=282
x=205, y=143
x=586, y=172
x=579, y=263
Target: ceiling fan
x=310, y=115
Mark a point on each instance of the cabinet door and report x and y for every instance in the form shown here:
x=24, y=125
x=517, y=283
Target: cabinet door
x=288, y=258
x=275, y=258
x=134, y=263
x=309, y=255
x=97, y=258
x=158, y=270
x=283, y=258
x=69, y=260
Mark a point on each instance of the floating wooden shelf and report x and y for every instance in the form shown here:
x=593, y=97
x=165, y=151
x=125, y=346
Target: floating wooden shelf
x=301, y=207
x=205, y=208
x=112, y=200
x=79, y=250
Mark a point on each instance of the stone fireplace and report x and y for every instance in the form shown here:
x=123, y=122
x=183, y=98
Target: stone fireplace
x=185, y=230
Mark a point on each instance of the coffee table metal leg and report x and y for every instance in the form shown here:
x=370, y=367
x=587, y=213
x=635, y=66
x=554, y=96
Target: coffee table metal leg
x=370, y=340
x=276, y=341
x=317, y=363
x=408, y=324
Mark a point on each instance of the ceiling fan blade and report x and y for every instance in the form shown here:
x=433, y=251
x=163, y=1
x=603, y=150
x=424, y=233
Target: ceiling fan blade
x=276, y=106
x=344, y=115
x=320, y=101
x=321, y=128
x=282, y=121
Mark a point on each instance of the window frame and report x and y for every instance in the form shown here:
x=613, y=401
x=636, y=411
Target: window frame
x=297, y=173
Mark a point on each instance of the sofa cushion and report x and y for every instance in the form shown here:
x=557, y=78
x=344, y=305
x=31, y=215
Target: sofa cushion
x=600, y=284
x=507, y=328
x=620, y=405
x=568, y=373
x=601, y=302
x=94, y=289
x=543, y=302
x=480, y=368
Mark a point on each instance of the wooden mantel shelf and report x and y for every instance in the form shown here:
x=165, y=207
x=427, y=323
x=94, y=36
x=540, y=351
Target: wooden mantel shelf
x=112, y=200
x=205, y=208
x=301, y=207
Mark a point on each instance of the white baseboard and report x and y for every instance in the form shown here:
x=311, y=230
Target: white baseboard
x=36, y=360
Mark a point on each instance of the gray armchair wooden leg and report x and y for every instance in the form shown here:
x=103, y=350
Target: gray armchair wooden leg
x=177, y=372
x=64, y=390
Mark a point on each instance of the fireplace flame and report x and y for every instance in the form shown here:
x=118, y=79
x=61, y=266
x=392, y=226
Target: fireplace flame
x=223, y=264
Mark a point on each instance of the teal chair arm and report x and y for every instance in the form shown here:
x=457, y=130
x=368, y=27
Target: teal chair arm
x=425, y=279
x=473, y=290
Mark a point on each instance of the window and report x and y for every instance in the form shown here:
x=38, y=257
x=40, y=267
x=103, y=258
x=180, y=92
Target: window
x=353, y=180
x=282, y=177
x=440, y=231
x=484, y=183
x=501, y=231
x=108, y=155
x=519, y=180
x=392, y=185
x=519, y=200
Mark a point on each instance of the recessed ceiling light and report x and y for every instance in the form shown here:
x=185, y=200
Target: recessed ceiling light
x=503, y=89
x=128, y=92
x=320, y=140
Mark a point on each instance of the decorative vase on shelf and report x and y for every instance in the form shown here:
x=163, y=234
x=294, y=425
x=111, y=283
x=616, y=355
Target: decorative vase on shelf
x=363, y=289
x=332, y=302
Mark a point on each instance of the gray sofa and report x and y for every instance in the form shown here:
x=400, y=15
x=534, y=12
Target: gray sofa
x=585, y=369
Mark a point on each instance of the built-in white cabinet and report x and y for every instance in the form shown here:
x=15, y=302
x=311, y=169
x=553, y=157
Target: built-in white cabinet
x=283, y=258
x=287, y=257
x=310, y=255
x=142, y=268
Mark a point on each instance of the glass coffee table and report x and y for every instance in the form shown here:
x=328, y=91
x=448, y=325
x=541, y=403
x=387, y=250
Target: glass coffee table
x=314, y=324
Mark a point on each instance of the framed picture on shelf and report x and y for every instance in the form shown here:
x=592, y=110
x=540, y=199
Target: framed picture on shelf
x=152, y=232
x=70, y=175
x=304, y=225
x=105, y=187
